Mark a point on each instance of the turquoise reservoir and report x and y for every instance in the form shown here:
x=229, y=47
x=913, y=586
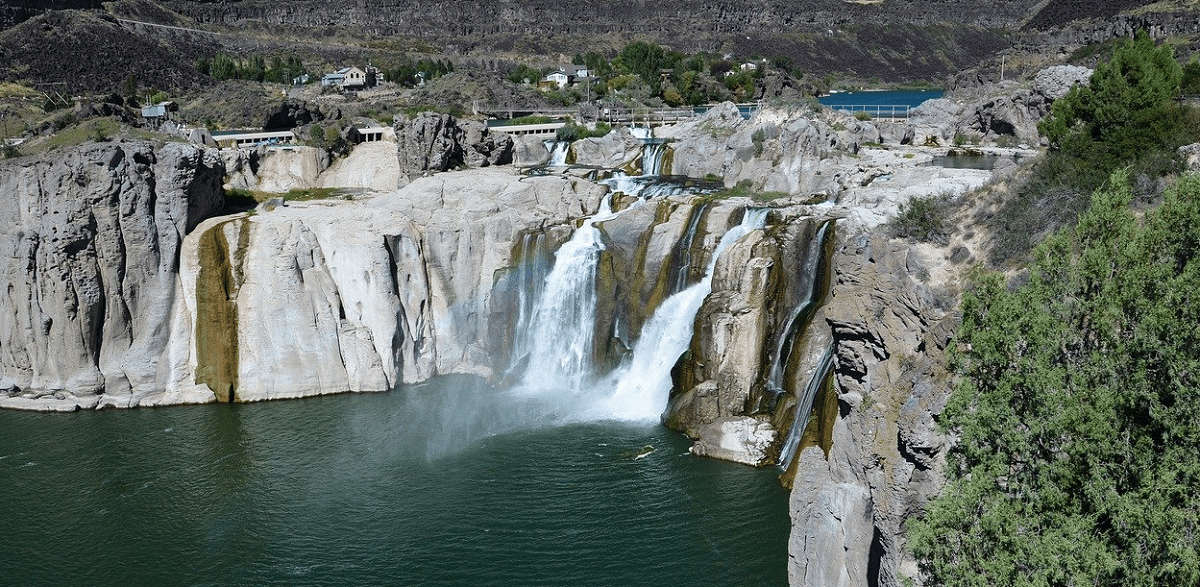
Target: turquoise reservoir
x=909, y=98
x=435, y=485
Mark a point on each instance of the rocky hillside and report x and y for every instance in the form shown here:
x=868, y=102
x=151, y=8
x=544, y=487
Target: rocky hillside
x=74, y=51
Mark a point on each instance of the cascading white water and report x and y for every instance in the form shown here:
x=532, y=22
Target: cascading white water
x=652, y=157
x=531, y=278
x=804, y=407
x=641, y=389
x=558, y=152
x=562, y=329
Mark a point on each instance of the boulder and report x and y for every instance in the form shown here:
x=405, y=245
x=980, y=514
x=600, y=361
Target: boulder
x=618, y=149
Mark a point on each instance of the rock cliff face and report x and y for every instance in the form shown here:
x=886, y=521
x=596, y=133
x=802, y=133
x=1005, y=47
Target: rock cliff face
x=463, y=18
x=881, y=460
x=112, y=305
x=394, y=289
x=1009, y=110
x=91, y=274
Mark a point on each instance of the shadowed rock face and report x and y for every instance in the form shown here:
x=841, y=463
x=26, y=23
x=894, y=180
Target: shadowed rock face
x=463, y=17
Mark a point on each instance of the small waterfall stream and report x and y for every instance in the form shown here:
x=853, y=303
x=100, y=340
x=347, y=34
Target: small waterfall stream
x=804, y=407
x=641, y=389
x=653, y=155
x=800, y=316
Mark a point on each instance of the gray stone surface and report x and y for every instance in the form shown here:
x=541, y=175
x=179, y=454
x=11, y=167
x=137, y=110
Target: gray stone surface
x=91, y=242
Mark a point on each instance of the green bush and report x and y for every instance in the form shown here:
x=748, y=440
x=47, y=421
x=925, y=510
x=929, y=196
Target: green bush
x=759, y=138
x=1077, y=410
x=924, y=219
x=573, y=132
x=1125, y=118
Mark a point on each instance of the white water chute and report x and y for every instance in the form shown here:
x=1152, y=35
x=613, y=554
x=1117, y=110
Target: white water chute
x=641, y=389
x=562, y=329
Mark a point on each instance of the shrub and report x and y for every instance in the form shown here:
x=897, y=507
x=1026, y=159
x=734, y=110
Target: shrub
x=924, y=219
x=758, y=138
x=11, y=151
x=1076, y=411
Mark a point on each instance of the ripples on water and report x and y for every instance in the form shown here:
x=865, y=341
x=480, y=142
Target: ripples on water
x=445, y=484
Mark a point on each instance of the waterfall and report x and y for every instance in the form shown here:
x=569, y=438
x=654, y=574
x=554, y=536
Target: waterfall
x=641, y=389
x=562, y=326
x=558, y=152
x=530, y=279
x=799, y=318
x=804, y=405
x=653, y=153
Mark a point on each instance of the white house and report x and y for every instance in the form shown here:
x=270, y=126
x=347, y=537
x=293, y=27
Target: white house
x=558, y=78
x=566, y=75
x=347, y=78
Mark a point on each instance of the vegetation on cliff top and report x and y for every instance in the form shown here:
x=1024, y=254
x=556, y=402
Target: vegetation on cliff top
x=1079, y=410
x=1126, y=117
x=1078, y=407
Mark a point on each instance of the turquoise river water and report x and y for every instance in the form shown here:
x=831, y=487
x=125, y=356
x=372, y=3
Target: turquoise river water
x=433, y=485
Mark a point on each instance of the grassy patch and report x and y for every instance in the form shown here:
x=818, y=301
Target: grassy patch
x=97, y=130
x=745, y=189
x=241, y=200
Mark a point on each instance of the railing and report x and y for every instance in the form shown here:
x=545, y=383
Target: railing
x=611, y=113
x=880, y=111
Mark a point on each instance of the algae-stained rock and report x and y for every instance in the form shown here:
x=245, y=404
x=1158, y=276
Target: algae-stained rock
x=92, y=240
x=751, y=354
x=889, y=340
x=363, y=295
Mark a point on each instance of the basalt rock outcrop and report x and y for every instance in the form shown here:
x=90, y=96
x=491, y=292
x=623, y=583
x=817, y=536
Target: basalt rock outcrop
x=1009, y=110
x=431, y=142
x=776, y=151
x=293, y=113
x=91, y=270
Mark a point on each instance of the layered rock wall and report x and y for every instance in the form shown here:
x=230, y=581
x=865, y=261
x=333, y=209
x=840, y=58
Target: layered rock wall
x=890, y=334
x=91, y=275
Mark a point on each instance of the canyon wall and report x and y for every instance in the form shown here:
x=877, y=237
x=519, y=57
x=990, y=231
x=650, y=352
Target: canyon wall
x=90, y=275
x=126, y=289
